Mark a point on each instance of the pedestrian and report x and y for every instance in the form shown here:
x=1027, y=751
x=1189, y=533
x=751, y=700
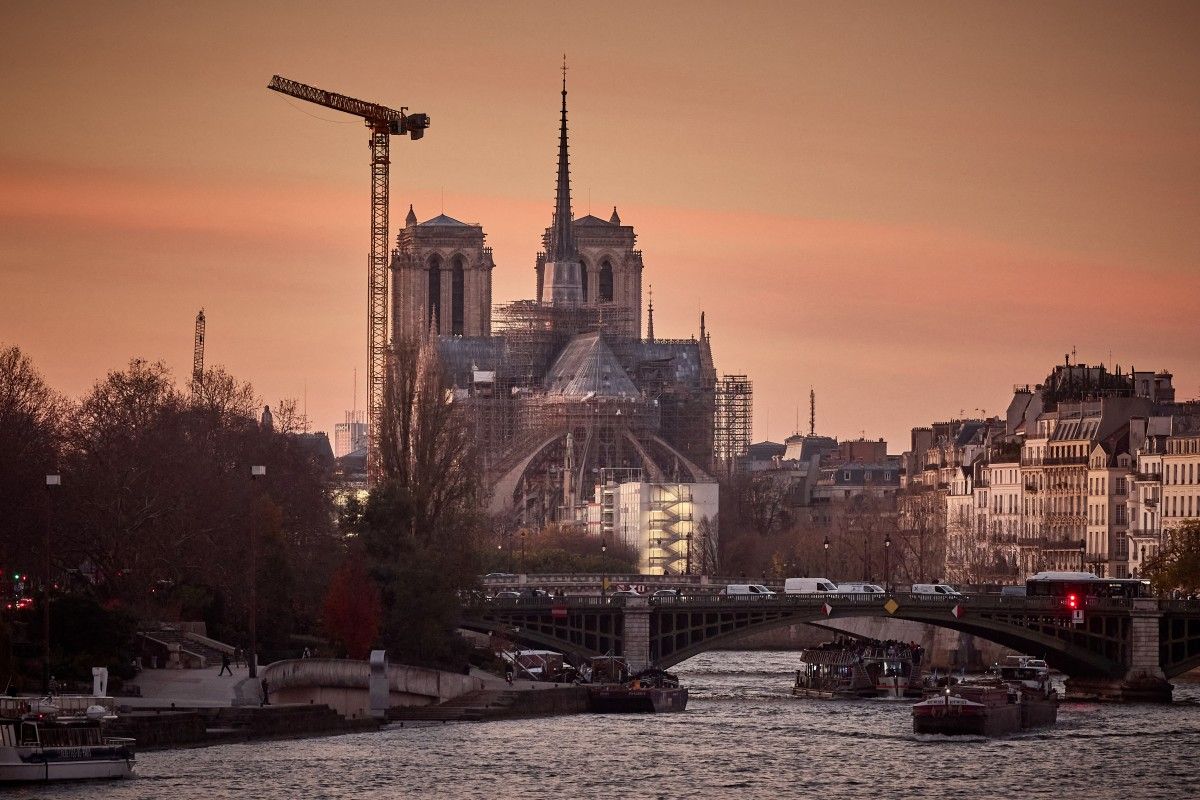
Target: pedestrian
x=508, y=675
x=266, y=697
x=225, y=665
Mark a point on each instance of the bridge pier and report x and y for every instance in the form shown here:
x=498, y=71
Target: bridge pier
x=636, y=633
x=1143, y=681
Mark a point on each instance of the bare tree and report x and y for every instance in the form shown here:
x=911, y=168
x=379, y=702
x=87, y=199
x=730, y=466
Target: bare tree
x=31, y=418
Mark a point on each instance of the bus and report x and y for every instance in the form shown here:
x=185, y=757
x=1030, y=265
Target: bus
x=1078, y=585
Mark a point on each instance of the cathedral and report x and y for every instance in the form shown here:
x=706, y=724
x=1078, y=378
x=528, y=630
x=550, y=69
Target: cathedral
x=568, y=395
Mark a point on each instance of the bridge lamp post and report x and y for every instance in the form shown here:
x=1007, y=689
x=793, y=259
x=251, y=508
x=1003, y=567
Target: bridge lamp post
x=1082, y=552
x=51, y=482
x=887, y=563
x=826, y=558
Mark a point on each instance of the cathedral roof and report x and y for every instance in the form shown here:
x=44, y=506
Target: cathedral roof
x=588, y=368
x=442, y=219
x=592, y=220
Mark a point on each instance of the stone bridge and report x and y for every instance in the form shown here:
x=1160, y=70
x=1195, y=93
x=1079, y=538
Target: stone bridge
x=1122, y=649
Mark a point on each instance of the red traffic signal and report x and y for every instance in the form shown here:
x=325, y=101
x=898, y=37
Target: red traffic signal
x=1072, y=601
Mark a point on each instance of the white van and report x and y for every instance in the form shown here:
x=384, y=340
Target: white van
x=859, y=588
x=747, y=590
x=809, y=586
x=943, y=589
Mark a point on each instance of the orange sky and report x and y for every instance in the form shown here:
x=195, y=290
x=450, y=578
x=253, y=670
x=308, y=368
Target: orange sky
x=910, y=207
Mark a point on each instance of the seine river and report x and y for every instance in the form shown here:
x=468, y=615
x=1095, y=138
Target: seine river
x=743, y=736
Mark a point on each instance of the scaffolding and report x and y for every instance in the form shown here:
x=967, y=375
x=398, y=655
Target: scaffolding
x=734, y=421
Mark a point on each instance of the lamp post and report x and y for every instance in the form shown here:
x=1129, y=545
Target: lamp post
x=51, y=482
x=524, y=534
x=256, y=472
x=826, y=558
x=887, y=563
x=1082, y=552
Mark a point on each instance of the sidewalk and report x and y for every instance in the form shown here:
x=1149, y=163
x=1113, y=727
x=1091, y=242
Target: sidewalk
x=186, y=688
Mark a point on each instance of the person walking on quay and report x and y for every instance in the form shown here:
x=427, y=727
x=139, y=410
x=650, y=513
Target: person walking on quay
x=225, y=665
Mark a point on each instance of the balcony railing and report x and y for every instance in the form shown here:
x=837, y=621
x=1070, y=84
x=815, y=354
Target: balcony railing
x=1063, y=461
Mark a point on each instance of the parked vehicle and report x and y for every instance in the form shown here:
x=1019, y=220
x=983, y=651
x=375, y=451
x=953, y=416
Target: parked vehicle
x=943, y=589
x=747, y=589
x=506, y=595
x=859, y=588
x=809, y=586
x=1013, y=591
x=667, y=593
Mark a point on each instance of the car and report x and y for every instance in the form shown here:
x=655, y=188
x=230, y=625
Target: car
x=943, y=589
x=747, y=590
x=667, y=593
x=809, y=586
x=501, y=575
x=860, y=588
x=507, y=595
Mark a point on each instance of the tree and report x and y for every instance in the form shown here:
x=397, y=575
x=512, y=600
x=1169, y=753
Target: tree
x=1176, y=567
x=352, y=608
x=421, y=526
x=31, y=420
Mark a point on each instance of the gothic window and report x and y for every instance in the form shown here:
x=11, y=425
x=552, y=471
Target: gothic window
x=434, y=283
x=456, y=297
x=606, y=282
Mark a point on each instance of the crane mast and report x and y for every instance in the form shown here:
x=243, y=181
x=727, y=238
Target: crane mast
x=198, y=353
x=383, y=123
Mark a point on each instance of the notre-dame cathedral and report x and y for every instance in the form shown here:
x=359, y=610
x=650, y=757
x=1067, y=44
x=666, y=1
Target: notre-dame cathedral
x=565, y=391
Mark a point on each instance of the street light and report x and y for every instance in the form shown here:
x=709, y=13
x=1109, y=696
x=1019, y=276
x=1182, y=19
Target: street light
x=51, y=482
x=1082, y=551
x=826, y=558
x=256, y=472
x=887, y=563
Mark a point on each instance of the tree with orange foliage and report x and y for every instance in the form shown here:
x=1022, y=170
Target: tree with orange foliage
x=352, y=608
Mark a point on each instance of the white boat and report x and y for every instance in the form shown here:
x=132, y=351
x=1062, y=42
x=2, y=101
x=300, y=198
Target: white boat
x=60, y=739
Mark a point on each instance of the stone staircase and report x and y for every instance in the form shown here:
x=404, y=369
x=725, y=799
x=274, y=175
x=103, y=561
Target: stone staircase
x=168, y=636
x=470, y=707
x=486, y=704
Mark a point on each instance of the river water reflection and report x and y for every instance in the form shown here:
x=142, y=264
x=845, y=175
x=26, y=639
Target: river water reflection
x=743, y=735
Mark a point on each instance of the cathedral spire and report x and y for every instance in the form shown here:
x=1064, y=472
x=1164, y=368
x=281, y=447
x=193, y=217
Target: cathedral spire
x=650, y=317
x=562, y=239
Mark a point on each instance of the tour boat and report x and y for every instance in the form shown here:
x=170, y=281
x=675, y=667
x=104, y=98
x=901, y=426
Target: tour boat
x=857, y=670
x=60, y=738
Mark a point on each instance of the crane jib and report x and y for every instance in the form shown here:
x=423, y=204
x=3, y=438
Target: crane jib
x=372, y=112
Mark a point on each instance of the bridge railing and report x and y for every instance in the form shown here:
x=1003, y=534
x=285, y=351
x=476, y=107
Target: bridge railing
x=993, y=602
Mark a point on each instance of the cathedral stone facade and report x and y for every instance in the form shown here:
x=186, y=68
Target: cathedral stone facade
x=567, y=394
x=441, y=279
x=610, y=269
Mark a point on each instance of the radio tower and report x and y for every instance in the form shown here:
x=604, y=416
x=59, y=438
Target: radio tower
x=198, y=353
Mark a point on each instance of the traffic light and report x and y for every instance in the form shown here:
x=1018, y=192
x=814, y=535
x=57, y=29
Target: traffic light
x=1072, y=602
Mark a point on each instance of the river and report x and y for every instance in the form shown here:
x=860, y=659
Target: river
x=742, y=736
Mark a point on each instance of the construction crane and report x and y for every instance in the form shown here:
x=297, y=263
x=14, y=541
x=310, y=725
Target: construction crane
x=383, y=123
x=198, y=353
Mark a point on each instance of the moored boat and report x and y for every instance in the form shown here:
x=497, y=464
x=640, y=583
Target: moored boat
x=60, y=738
x=1015, y=695
x=651, y=690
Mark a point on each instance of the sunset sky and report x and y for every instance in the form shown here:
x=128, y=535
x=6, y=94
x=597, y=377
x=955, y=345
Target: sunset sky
x=908, y=206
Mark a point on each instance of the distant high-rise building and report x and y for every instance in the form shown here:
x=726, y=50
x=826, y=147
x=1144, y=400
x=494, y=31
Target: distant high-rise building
x=350, y=435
